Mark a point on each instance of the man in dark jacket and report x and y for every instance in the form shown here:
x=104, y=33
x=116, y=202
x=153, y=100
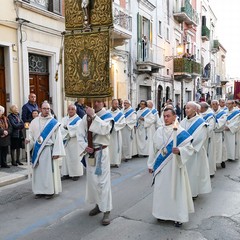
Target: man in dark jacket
x=29, y=107
x=80, y=107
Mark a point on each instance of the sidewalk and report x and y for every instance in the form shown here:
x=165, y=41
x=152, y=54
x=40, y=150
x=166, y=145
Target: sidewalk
x=13, y=174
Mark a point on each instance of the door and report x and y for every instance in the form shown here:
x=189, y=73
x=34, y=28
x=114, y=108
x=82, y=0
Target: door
x=159, y=99
x=2, y=80
x=39, y=84
x=39, y=77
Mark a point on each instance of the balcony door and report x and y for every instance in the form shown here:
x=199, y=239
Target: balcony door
x=2, y=79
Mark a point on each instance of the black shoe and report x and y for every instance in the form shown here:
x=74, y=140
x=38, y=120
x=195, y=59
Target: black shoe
x=94, y=211
x=14, y=164
x=223, y=164
x=212, y=176
x=49, y=196
x=5, y=166
x=177, y=224
x=64, y=177
x=19, y=163
x=37, y=196
x=75, y=178
x=194, y=198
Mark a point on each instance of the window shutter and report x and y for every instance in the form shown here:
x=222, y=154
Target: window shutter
x=139, y=35
x=55, y=6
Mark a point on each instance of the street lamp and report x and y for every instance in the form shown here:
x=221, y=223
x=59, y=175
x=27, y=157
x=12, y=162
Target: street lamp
x=179, y=53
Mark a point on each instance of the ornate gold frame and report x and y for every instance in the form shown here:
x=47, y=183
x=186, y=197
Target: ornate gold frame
x=87, y=65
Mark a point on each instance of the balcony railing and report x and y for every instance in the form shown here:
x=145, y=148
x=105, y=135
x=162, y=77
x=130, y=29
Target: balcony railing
x=186, y=68
x=122, y=18
x=205, y=33
x=149, y=55
x=186, y=13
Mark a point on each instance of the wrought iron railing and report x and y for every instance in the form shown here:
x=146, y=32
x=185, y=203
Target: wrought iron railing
x=185, y=65
x=205, y=32
x=122, y=18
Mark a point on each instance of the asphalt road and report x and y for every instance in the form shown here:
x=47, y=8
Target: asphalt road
x=216, y=217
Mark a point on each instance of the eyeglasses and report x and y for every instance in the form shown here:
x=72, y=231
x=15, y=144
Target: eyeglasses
x=45, y=108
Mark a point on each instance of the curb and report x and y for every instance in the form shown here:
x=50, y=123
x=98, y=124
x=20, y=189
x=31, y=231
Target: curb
x=14, y=178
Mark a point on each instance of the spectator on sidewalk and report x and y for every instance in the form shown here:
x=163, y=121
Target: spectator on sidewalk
x=5, y=132
x=17, y=139
x=29, y=107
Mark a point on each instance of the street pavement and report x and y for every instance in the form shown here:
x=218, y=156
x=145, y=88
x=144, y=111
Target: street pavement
x=216, y=217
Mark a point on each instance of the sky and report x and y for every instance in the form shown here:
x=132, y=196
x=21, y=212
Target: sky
x=228, y=32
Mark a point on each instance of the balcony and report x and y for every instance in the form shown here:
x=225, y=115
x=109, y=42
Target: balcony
x=185, y=68
x=216, y=46
x=122, y=25
x=186, y=14
x=149, y=57
x=205, y=33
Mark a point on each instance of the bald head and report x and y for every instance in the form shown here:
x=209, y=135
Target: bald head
x=204, y=107
x=191, y=109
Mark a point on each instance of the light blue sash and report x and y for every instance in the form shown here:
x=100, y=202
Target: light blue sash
x=181, y=137
x=195, y=126
x=129, y=112
x=45, y=135
x=154, y=111
x=107, y=116
x=232, y=115
x=209, y=115
x=74, y=121
x=219, y=115
x=143, y=114
x=118, y=116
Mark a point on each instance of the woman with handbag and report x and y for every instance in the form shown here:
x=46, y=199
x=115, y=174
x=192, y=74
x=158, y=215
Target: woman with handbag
x=5, y=132
x=17, y=140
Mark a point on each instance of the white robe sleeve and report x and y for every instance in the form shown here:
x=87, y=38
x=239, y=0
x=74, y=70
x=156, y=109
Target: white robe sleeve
x=120, y=124
x=58, y=147
x=149, y=120
x=233, y=125
x=82, y=135
x=131, y=121
x=100, y=127
x=72, y=129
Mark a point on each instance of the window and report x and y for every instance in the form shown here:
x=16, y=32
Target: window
x=160, y=28
x=54, y=6
x=167, y=35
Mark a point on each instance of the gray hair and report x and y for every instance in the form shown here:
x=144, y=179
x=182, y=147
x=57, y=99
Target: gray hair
x=2, y=109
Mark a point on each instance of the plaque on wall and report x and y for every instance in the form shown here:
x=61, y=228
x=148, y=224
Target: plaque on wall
x=82, y=13
x=87, y=65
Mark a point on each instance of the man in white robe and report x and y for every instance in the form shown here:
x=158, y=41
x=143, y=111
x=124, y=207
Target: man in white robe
x=128, y=130
x=97, y=122
x=231, y=129
x=45, y=136
x=115, y=147
x=220, y=121
x=71, y=164
x=208, y=116
x=222, y=104
x=143, y=134
x=198, y=167
x=172, y=198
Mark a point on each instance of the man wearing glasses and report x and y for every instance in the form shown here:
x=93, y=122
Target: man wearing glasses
x=46, y=141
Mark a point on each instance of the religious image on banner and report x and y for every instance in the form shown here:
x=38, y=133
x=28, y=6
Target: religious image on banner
x=86, y=69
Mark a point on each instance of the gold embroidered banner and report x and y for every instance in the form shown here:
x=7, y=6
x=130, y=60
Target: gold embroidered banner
x=87, y=65
x=95, y=12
